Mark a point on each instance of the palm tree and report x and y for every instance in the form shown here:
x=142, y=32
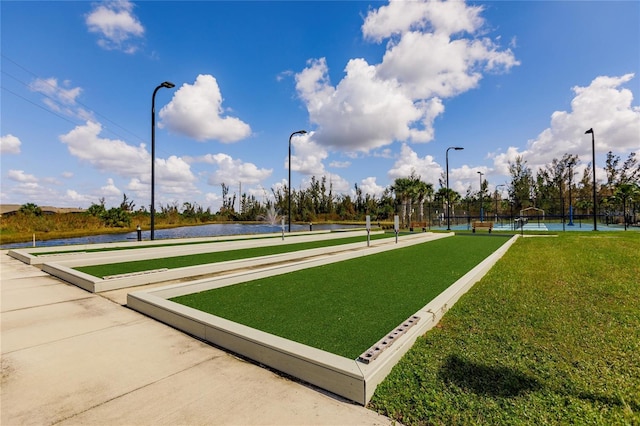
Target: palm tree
x=402, y=187
x=423, y=190
x=409, y=189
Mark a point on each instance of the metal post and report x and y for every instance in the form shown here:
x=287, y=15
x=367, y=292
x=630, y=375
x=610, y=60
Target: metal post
x=481, y=215
x=368, y=226
x=457, y=148
x=562, y=205
x=497, y=186
x=593, y=152
x=396, y=226
x=301, y=132
x=168, y=85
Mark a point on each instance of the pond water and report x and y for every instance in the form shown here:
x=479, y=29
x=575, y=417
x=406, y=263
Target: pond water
x=211, y=230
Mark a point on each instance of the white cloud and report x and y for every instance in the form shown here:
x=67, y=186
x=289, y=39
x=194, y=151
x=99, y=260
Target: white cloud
x=369, y=186
x=383, y=153
x=340, y=164
x=284, y=75
x=433, y=52
x=107, y=155
x=307, y=156
x=233, y=171
x=196, y=111
x=356, y=115
x=10, y=144
x=470, y=174
x=51, y=180
x=428, y=65
x=448, y=17
x=21, y=176
x=140, y=188
x=110, y=190
x=408, y=161
x=75, y=198
x=337, y=183
x=214, y=201
x=29, y=188
x=501, y=161
x=49, y=87
x=34, y=192
x=67, y=175
x=116, y=24
x=40, y=191
x=605, y=106
x=173, y=175
x=61, y=98
x=279, y=186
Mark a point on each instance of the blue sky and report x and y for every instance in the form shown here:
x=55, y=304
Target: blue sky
x=382, y=88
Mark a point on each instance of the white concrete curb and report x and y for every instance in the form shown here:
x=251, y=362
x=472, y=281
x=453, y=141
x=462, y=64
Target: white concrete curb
x=345, y=377
x=64, y=269
x=35, y=256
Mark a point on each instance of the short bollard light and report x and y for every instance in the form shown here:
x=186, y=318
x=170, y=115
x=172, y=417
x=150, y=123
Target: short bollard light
x=139, y=230
x=396, y=226
x=368, y=230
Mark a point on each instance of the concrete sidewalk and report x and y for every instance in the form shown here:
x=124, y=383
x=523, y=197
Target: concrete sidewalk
x=73, y=357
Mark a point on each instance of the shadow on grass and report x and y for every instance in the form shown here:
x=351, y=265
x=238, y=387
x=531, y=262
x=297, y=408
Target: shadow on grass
x=495, y=381
x=486, y=380
x=608, y=401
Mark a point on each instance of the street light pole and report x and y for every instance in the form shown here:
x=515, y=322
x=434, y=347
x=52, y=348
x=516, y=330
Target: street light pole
x=299, y=132
x=457, y=148
x=570, y=201
x=593, y=153
x=168, y=85
x=481, y=215
x=497, y=186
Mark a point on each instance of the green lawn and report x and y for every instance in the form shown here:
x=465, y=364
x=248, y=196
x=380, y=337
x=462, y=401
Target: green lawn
x=551, y=335
x=346, y=307
x=215, y=257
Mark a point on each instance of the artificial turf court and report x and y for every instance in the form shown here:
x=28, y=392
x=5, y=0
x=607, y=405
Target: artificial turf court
x=345, y=307
x=215, y=257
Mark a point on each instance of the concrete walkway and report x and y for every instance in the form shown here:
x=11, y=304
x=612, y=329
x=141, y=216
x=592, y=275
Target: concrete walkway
x=73, y=357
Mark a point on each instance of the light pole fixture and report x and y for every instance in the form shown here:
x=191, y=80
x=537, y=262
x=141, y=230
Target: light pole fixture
x=497, y=186
x=570, y=201
x=168, y=85
x=457, y=148
x=481, y=215
x=593, y=152
x=299, y=132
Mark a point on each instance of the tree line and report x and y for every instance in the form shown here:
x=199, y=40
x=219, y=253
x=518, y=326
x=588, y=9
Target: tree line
x=552, y=188
x=556, y=186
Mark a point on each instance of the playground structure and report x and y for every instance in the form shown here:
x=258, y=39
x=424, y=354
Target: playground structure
x=524, y=213
x=525, y=217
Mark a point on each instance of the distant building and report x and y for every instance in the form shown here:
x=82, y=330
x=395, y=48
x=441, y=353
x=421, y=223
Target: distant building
x=9, y=209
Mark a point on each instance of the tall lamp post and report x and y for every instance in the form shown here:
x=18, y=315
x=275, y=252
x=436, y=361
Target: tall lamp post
x=168, y=85
x=497, y=186
x=481, y=215
x=299, y=132
x=593, y=151
x=570, y=202
x=457, y=148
